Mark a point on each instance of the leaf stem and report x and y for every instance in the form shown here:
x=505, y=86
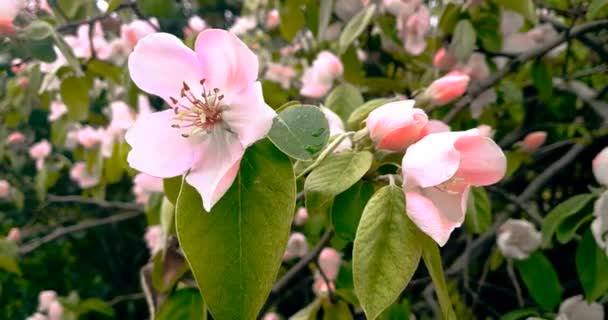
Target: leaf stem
x=331, y=147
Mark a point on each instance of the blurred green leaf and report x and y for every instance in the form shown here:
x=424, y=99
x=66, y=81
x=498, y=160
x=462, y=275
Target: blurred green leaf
x=157, y=8
x=343, y=100
x=337, y=311
x=348, y=208
x=182, y=304
x=540, y=278
x=75, y=94
x=463, y=42
x=292, y=19
x=355, y=27
x=479, y=211
x=591, y=266
x=38, y=30
x=356, y=118
x=597, y=8
x=542, y=79
x=325, y=11
x=432, y=262
x=449, y=18
x=560, y=213
x=171, y=188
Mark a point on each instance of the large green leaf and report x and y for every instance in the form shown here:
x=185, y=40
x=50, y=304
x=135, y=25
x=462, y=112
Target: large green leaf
x=235, y=250
x=464, y=38
x=591, y=266
x=75, y=94
x=560, y=213
x=356, y=26
x=335, y=175
x=479, y=211
x=540, y=278
x=348, y=208
x=183, y=304
x=300, y=131
x=343, y=100
x=386, y=252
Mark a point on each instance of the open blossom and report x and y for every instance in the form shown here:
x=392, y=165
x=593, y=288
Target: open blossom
x=336, y=127
x=144, y=185
x=301, y=217
x=273, y=19
x=600, y=167
x=14, y=234
x=8, y=11
x=5, y=189
x=243, y=25
x=297, y=246
x=533, y=141
x=447, y=88
x=136, y=30
x=81, y=174
x=39, y=151
x=218, y=109
x=58, y=109
x=413, y=30
x=517, y=239
x=318, y=79
x=438, y=171
x=280, y=74
x=329, y=262
x=154, y=238
x=599, y=226
x=81, y=44
x=396, y=125
x=15, y=138
x=575, y=308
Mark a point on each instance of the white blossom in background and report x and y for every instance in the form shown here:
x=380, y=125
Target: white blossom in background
x=518, y=238
x=575, y=308
x=599, y=226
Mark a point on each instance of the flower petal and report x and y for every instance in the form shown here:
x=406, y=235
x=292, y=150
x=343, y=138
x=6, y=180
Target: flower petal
x=432, y=160
x=160, y=63
x=158, y=149
x=482, y=162
x=213, y=173
x=248, y=115
x=227, y=62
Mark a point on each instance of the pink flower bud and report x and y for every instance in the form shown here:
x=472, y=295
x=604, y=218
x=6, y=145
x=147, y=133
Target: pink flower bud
x=82, y=176
x=485, y=130
x=154, y=239
x=58, y=109
x=296, y=246
x=533, y=141
x=55, y=310
x=17, y=65
x=45, y=298
x=329, y=262
x=15, y=138
x=40, y=150
x=273, y=19
x=396, y=125
x=448, y=87
x=5, y=189
x=14, y=234
x=90, y=137
x=434, y=126
x=320, y=287
x=600, y=167
x=271, y=316
x=301, y=217
x=196, y=24
x=318, y=79
x=444, y=60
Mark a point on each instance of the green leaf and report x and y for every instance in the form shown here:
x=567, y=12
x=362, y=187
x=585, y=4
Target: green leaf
x=337, y=311
x=355, y=27
x=105, y=69
x=591, y=266
x=75, y=94
x=348, y=208
x=357, y=116
x=449, y=18
x=432, y=262
x=560, y=213
x=292, y=19
x=463, y=41
x=183, y=304
x=523, y=7
x=68, y=54
x=479, y=211
x=597, y=8
x=171, y=187
x=325, y=11
x=540, y=278
x=568, y=228
x=235, y=250
x=38, y=30
x=336, y=174
x=397, y=311
x=386, y=251
x=8, y=256
x=157, y=8
x=300, y=131
x=112, y=166
x=520, y=314
x=309, y=312
x=343, y=100
x=542, y=79
x=113, y=5
x=95, y=305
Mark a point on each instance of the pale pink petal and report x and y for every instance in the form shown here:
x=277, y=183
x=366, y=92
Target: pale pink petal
x=213, y=173
x=227, y=62
x=482, y=162
x=248, y=115
x=160, y=63
x=432, y=160
x=430, y=219
x=158, y=149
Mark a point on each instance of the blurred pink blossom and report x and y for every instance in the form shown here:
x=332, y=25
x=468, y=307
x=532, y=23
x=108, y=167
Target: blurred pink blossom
x=154, y=238
x=15, y=138
x=533, y=141
x=195, y=25
x=297, y=246
x=81, y=174
x=137, y=29
x=55, y=310
x=5, y=189
x=39, y=151
x=82, y=46
x=444, y=60
x=517, y=238
x=14, y=234
x=8, y=11
x=575, y=308
x=329, y=262
x=279, y=73
x=243, y=25
x=401, y=7
x=600, y=167
x=144, y=185
x=485, y=130
x=599, y=225
x=434, y=126
x=447, y=88
x=301, y=217
x=58, y=109
x=336, y=127
x=396, y=125
x=273, y=19
x=45, y=298
x=413, y=30
x=321, y=288
x=271, y=316
x=318, y=79
x=90, y=137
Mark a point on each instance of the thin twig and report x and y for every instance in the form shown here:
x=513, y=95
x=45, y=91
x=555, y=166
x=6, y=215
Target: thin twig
x=100, y=203
x=127, y=297
x=513, y=277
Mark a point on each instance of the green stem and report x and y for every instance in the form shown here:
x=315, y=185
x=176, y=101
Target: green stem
x=331, y=147
x=204, y=310
x=432, y=261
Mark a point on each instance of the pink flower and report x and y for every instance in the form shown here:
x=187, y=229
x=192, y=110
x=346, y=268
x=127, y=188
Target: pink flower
x=45, y=298
x=90, y=137
x=401, y=7
x=81, y=44
x=15, y=138
x=136, y=30
x=5, y=189
x=39, y=151
x=14, y=234
x=55, y=310
x=144, y=185
x=273, y=18
x=81, y=174
x=243, y=25
x=437, y=173
x=329, y=262
x=321, y=288
x=444, y=60
x=58, y=109
x=600, y=167
x=533, y=141
x=336, y=127
x=447, y=88
x=8, y=11
x=154, y=238
x=122, y=117
x=300, y=217
x=434, y=126
x=414, y=30
x=485, y=130
x=218, y=109
x=297, y=246
x=396, y=125
x=281, y=74
x=271, y=316
x=319, y=78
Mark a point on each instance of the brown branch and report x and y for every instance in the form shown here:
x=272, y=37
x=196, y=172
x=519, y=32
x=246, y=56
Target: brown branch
x=493, y=79
x=587, y=40
x=100, y=203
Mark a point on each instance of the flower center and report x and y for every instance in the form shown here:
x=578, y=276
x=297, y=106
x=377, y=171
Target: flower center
x=199, y=114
